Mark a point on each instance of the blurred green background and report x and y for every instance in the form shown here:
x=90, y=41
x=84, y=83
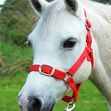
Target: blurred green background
x=16, y=22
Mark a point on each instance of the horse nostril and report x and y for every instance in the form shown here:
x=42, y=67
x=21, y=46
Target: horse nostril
x=34, y=104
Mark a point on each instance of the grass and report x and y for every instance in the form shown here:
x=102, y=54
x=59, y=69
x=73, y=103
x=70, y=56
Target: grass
x=13, y=58
x=16, y=21
x=9, y=88
x=89, y=98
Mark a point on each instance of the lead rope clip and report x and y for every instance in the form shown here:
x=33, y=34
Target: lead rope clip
x=70, y=106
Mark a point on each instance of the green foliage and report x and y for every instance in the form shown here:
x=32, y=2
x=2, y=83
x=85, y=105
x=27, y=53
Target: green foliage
x=9, y=89
x=16, y=21
x=16, y=35
x=14, y=58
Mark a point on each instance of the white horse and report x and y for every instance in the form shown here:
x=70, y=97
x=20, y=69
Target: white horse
x=58, y=40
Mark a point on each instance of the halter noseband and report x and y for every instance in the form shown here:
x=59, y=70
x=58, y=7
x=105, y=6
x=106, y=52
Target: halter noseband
x=68, y=76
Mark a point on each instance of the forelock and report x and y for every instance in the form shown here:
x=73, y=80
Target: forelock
x=51, y=14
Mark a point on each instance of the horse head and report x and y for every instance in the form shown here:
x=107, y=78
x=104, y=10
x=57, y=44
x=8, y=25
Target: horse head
x=58, y=40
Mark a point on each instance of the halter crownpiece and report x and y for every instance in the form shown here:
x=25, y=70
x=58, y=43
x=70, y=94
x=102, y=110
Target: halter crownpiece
x=68, y=76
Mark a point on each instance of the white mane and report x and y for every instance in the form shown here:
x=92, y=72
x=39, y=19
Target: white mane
x=101, y=9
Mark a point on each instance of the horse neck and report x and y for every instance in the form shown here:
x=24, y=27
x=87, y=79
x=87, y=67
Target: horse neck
x=101, y=30
x=101, y=23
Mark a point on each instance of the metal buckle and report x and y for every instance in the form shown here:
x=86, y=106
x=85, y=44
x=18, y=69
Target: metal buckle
x=67, y=76
x=47, y=74
x=70, y=106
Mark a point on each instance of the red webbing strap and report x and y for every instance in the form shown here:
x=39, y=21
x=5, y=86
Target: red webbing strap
x=89, y=42
x=34, y=68
x=89, y=39
x=79, y=62
x=75, y=87
x=85, y=13
x=88, y=52
x=59, y=74
x=47, y=70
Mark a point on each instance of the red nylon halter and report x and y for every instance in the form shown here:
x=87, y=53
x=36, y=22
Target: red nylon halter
x=68, y=76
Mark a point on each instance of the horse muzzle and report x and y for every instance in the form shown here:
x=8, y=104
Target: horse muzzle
x=35, y=104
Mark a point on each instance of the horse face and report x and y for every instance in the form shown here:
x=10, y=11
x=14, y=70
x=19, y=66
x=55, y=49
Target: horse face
x=58, y=40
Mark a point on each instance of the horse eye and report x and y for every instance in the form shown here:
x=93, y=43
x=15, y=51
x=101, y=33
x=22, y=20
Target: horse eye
x=69, y=43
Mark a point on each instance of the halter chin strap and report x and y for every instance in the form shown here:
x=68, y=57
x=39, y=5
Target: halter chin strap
x=68, y=76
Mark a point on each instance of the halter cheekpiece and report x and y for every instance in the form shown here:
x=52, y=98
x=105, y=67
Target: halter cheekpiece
x=68, y=76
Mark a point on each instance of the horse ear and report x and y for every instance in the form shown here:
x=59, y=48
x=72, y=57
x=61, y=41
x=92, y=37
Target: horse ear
x=38, y=5
x=72, y=5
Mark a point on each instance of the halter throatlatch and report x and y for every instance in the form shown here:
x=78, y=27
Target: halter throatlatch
x=68, y=76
